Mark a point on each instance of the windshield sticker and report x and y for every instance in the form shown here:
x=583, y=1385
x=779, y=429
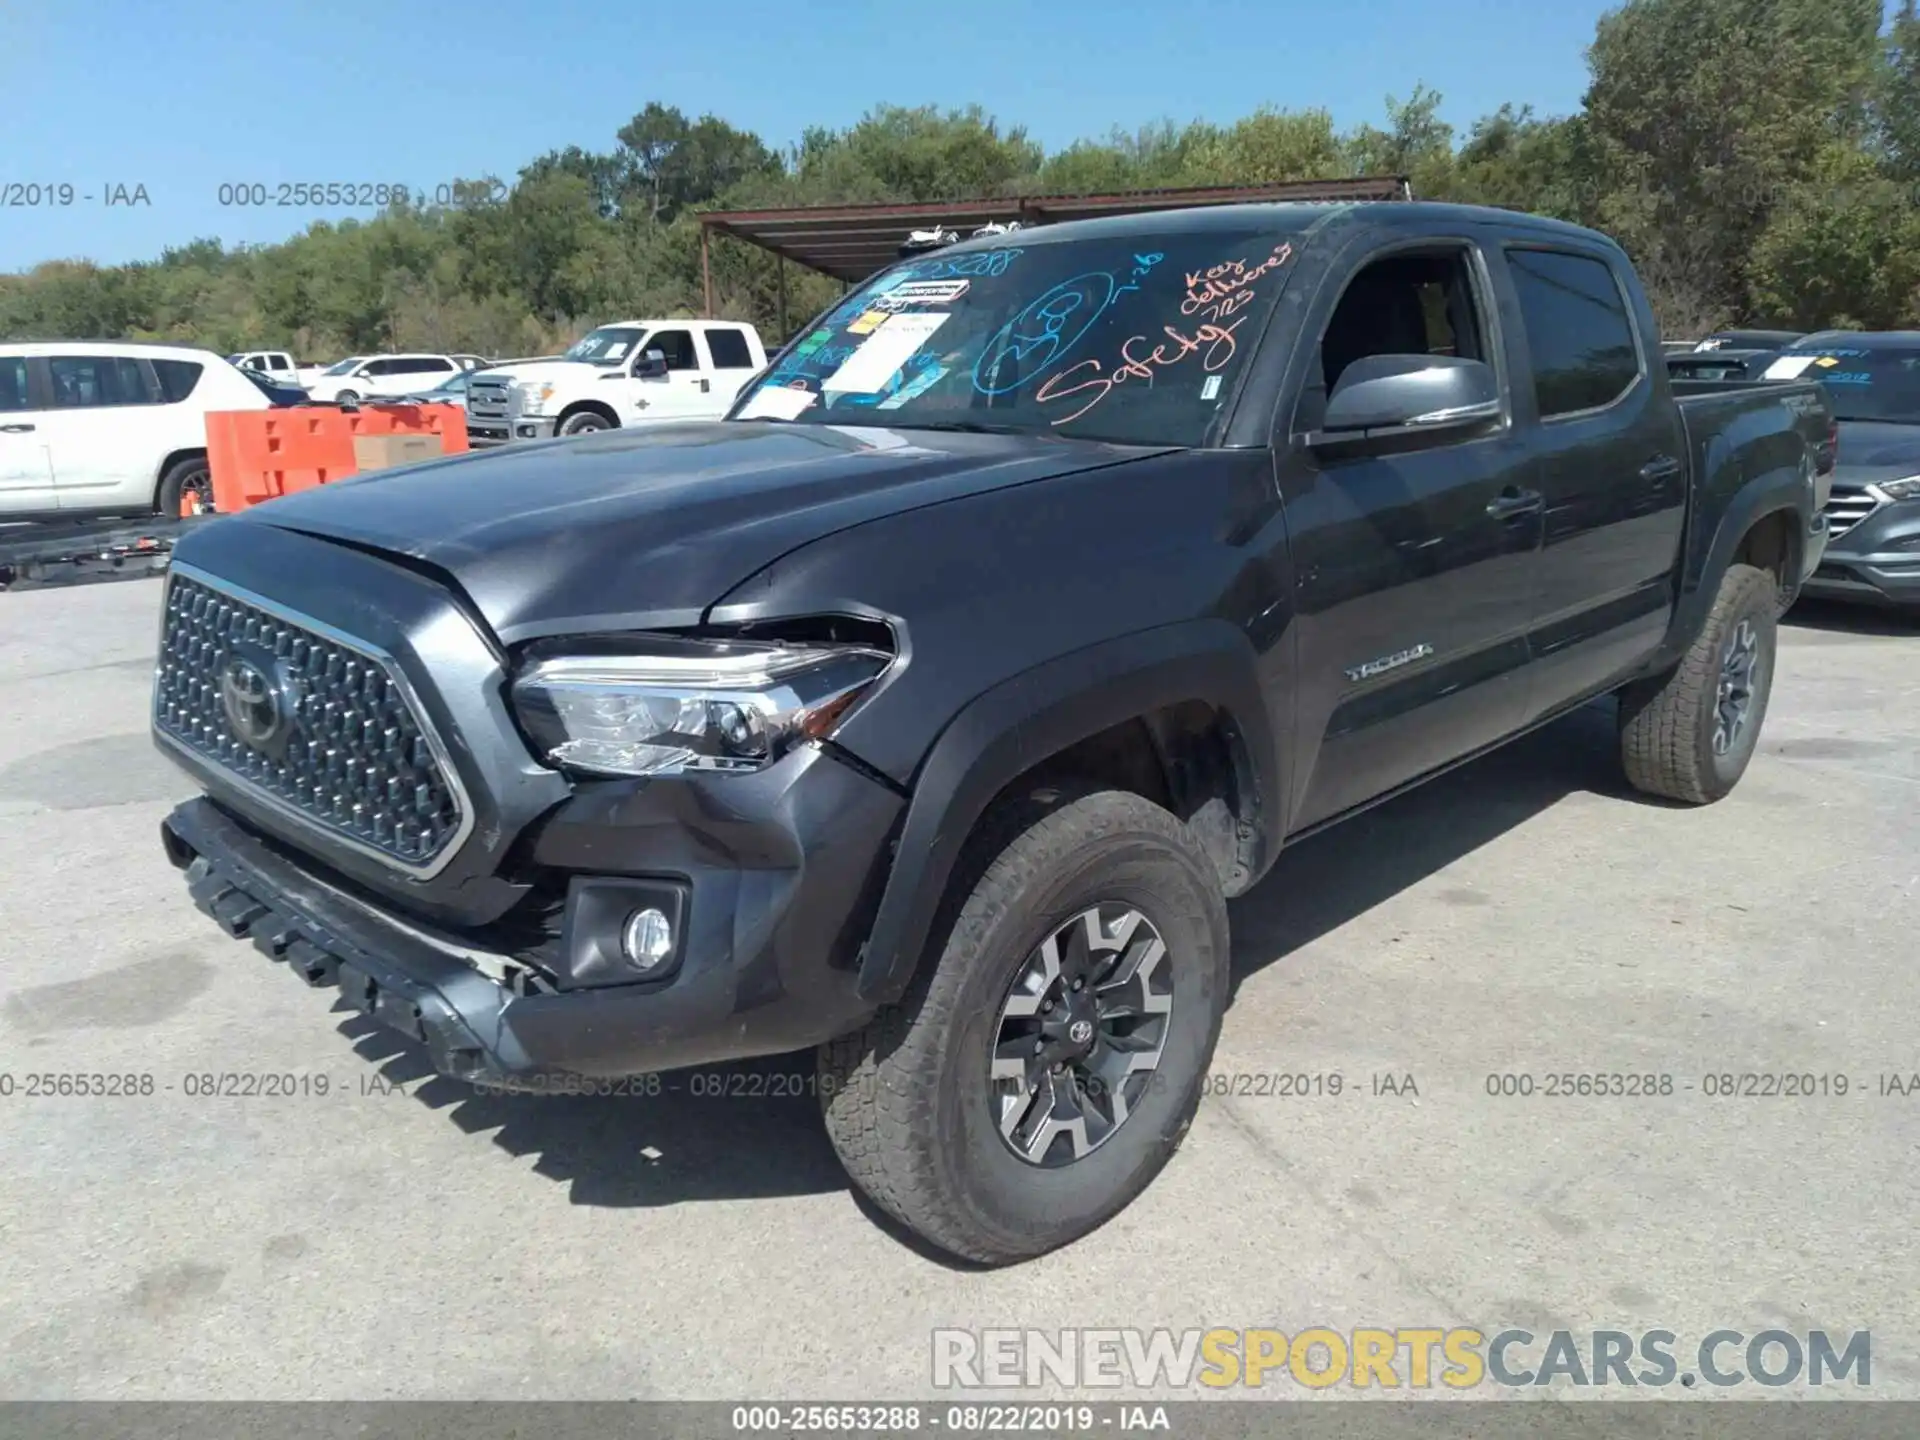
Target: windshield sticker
x=922, y=292
x=885, y=351
x=1211, y=388
x=1847, y=377
x=1826, y=362
x=928, y=377
x=1788, y=367
x=776, y=402
x=867, y=323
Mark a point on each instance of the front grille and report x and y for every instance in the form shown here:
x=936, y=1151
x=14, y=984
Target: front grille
x=308, y=719
x=1846, y=509
x=489, y=399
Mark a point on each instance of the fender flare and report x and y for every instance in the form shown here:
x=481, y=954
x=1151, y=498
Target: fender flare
x=1040, y=712
x=1766, y=494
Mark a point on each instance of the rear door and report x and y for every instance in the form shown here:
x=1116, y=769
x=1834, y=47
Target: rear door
x=1611, y=468
x=1415, y=555
x=735, y=357
x=26, y=472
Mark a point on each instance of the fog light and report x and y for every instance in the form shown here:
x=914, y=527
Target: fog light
x=647, y=939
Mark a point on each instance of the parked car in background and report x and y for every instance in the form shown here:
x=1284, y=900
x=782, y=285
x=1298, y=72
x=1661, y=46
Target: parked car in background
x=1873, y=518
x=619, y=375
x=472, y=362
x=1720, y=364
x=450, y=391
x=1749, y=340
x=110, y=427
x=280, y=392
x=279, y=365
x=929, y=708
x=359, y=376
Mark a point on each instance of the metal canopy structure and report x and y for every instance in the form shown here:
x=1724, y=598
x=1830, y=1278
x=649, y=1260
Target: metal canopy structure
x=851, y=242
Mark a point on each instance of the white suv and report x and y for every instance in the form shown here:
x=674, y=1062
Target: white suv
x=110, y=427
x=359, y=376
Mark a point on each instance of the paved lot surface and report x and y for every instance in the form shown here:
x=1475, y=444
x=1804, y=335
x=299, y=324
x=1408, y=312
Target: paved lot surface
x=1523, y=915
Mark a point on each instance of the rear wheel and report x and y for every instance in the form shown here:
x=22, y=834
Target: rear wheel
x=186, y=488
x=1688, y=735
x=1048, y=1061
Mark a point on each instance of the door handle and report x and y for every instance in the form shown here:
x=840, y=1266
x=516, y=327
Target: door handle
x=1514, y=501
x=15, y=429
x=705, y=386
x=1659, y=470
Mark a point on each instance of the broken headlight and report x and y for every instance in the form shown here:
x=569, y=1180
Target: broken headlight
x=679, y=704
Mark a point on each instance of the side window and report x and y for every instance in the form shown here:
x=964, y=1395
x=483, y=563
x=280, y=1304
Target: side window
x=13, y=383
x=97, y=380
x=432, y=367
x=177, y=379
x=1400, y=305
x=730, y=350
x=1578, y=331
x=374, y=368
x=676, y=345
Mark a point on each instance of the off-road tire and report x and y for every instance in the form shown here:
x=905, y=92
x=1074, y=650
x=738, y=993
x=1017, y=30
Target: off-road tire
x=1667, y=722
x=907, y=1099
x=190, y=476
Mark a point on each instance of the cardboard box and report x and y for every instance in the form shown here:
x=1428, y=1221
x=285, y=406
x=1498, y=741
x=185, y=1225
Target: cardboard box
x=383, y=452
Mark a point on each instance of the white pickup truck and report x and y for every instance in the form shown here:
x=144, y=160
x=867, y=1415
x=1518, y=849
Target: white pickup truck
x=278, y=365
x=623, y=374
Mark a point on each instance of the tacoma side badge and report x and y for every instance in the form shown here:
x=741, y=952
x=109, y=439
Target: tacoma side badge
x=1389, y=662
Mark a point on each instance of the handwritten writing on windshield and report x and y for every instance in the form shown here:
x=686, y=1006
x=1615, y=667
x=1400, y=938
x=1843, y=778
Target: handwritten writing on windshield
x=1220, y=290
x=1215, y=294
x=1096, y=382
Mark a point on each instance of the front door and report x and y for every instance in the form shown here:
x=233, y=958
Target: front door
x=26, y=474
x=686, y=391
x=1415, y=559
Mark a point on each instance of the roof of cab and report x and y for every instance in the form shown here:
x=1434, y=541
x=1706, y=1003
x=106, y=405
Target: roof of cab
x=1411, y=215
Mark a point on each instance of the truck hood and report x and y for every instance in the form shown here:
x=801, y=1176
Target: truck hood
x=551, y=370
x=636, y=529
x=1872, y=450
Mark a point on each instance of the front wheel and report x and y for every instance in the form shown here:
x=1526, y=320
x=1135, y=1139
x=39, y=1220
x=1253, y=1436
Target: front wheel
x=585, y=423
x=1688, y=735
x=1047, y=1063
x=347, y=397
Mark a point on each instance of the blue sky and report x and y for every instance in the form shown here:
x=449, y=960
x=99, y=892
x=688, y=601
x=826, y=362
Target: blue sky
x=182, y=96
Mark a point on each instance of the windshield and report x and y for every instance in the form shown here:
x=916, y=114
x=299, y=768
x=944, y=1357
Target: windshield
x=455, y=382
x=1136, y=338
x=1878, y=384
x=344, y=366
x=608, y=345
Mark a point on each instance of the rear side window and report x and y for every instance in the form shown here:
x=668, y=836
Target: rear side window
x=177, y=379
x=86, y=381
x=1584, y=355
x=13, y=383
x=730, y=350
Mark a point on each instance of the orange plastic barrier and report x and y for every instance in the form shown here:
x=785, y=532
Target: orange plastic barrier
x=256, y=455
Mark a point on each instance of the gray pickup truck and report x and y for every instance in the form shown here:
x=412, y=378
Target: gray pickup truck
x=927, y=709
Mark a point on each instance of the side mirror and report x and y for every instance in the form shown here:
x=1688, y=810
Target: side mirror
x=651, y=366
x=1405, y=394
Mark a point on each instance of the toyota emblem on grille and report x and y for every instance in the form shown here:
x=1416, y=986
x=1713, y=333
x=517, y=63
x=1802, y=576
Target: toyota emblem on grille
x=252, y=703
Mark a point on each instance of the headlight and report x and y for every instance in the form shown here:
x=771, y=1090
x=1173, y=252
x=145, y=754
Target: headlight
x=1905, y=489
x=689, y=704
x=533, y=398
